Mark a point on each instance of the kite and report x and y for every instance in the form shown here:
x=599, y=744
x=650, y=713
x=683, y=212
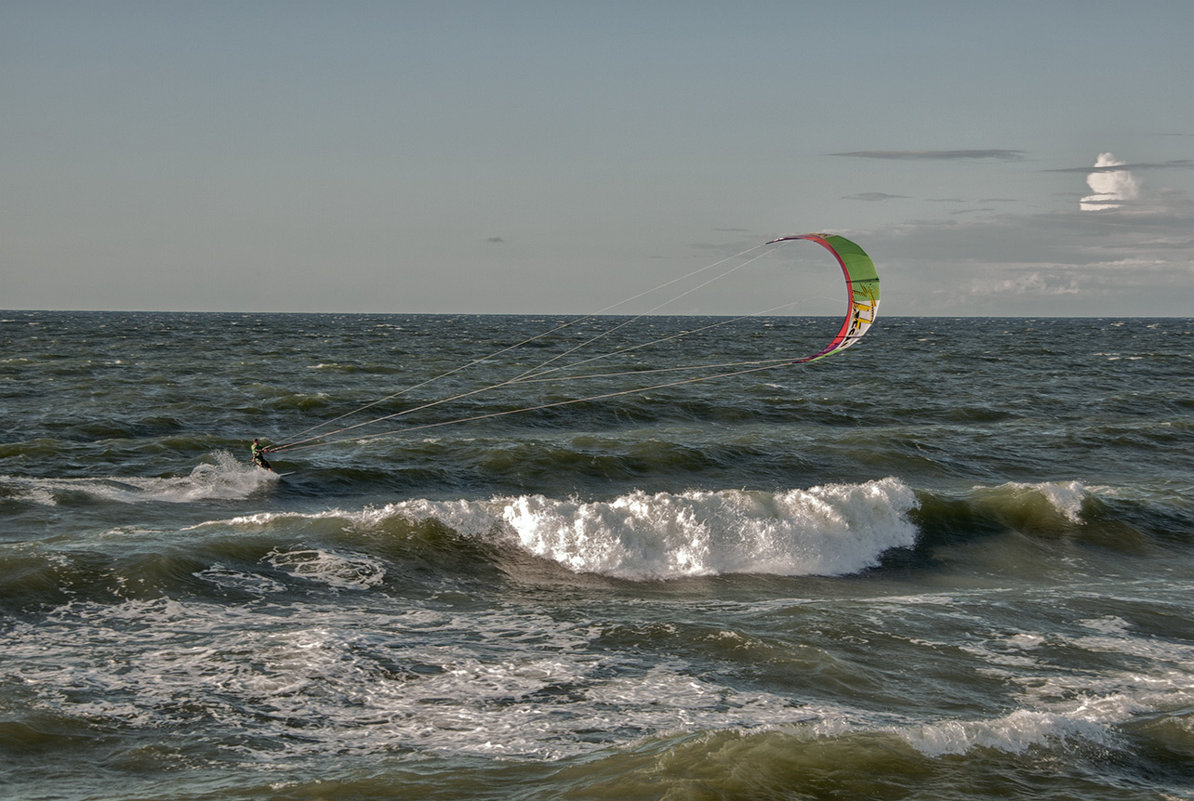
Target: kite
x=862, y=290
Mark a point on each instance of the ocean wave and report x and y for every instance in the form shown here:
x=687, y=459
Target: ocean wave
x=1047, y=502
x=1046, y=508
x=415, y=546
x=826, y=530
x=835, y=529
x=1125, y=520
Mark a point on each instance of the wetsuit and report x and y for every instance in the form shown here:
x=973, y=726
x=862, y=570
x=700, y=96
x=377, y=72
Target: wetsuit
x=259, y=456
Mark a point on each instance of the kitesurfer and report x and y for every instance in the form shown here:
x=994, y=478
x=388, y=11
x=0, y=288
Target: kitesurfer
x=259, y=455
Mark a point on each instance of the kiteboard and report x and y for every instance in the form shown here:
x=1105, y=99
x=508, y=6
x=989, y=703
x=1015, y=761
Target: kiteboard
x=275, y=472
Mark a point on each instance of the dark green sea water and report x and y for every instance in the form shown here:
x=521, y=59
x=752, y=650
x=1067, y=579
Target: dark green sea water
x=952, y=562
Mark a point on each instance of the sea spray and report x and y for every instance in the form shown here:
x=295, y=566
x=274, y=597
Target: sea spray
x=222, y=477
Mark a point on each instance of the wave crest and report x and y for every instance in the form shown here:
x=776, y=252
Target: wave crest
x=829, y=530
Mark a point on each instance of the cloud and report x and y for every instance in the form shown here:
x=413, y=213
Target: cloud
x=1110, y=185
x=1138, y=261
x=1039, y=284
x=874, y=196
x=935, y=155
x=1176, y=164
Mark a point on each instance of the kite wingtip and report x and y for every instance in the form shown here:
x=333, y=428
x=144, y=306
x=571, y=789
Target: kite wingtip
x=787, y=237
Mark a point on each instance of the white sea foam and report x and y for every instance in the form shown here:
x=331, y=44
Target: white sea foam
x=1013, y=732
x=830, y=530
x=352, y=691
x=1067, y=497
x=1063, y=705
x=230, y=579
x=339, y=570
x=224, y=478
x=507, y=682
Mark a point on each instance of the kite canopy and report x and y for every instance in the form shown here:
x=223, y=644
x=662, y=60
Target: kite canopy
x=862, y=290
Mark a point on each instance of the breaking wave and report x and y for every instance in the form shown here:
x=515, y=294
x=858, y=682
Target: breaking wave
x=828, y=530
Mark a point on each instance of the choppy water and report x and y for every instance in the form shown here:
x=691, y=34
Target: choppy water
x=952, y=562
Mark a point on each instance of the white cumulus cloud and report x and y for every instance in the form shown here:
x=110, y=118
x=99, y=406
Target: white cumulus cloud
x=1110, y=186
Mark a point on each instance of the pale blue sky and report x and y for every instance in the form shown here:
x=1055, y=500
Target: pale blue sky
x=556, y=156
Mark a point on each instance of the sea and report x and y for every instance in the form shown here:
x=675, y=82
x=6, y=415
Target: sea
x=955, y=561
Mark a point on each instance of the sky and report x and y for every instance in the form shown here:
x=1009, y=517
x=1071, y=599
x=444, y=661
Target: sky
x=454, y=156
